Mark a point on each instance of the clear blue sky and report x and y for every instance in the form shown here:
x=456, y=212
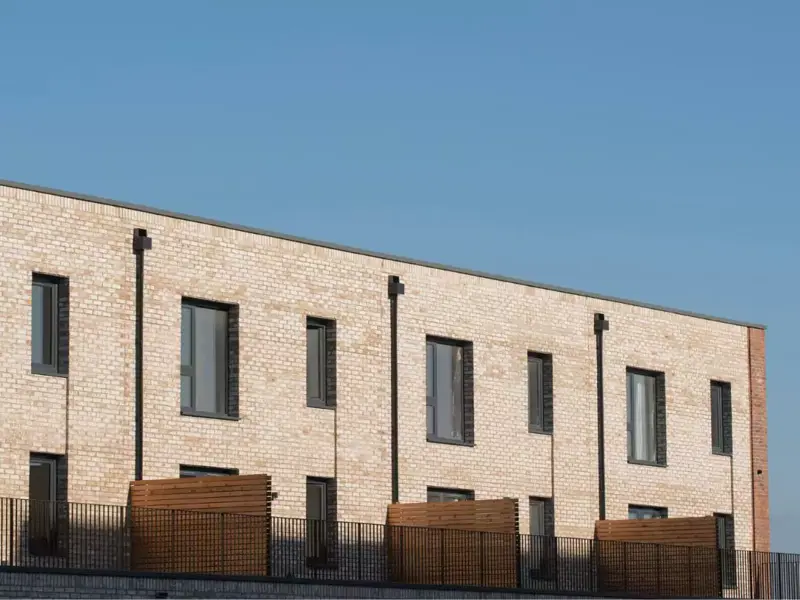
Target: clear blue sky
x=642, y=149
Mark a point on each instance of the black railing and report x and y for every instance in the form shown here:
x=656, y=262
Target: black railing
x=114, y=539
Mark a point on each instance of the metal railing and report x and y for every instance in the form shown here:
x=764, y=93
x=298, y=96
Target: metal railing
x=113, y=539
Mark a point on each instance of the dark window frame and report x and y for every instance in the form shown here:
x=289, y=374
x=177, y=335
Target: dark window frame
x=721, y=418
x=455, y=494
x=230, y=375
x=192, y=471
x=540, y=393
x=322, y=535
x=659, y=512
x=659, y=416
x=467, y=391
x=326, y=363
x=56, y=325
x=48, y=519
x=726, y=544
x=543, y=546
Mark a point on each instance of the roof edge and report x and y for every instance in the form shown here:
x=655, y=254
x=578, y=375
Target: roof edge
x=378, y=255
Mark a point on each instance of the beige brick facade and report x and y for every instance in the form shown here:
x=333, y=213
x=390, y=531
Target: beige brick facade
x=276, y=282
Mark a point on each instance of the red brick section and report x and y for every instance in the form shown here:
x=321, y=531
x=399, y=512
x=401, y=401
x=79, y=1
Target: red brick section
x=758, y=438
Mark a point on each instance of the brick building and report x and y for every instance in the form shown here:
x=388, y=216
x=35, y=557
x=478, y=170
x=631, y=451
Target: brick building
x=261, y=353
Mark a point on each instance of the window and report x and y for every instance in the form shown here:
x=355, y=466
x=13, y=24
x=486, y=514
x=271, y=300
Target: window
x=646, y=512
x=49, y=325
x=726, y=544
x=721, y=425
x=543, y=544
x=321, y=363
x=186, y=472
x=449, y=495
x=540, y=393
x=209, y=359
x=322, y=529
x=647, y=423
x=449, y=391
x=47, y=510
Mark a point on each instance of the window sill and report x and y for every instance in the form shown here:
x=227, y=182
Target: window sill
x=721, y=453
x=185, y=412
x=646, y=463
x=539, y=431
x=436, y=440
x=321, y=405
x=47, y=371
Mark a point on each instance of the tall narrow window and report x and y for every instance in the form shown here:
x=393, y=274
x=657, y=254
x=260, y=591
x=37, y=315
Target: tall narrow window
x=721, y=422
x=322, y=528
x=321, y=362
x=540, y=393
x=646, y=417
x=49, y=325
x=647, y=512
x=449, y=391
x=726, y=544
x=43, y=493
x=209, y=359
x=543, y=544
x=449, y=495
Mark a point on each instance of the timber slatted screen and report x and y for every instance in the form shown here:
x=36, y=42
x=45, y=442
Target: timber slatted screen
x=667, y=558
x=459, y=543
x=213, y=525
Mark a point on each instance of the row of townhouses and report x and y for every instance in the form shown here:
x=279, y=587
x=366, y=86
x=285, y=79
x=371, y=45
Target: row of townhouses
x=138, y=343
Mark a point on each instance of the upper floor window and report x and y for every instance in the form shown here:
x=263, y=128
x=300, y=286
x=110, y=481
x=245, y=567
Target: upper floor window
x=449, y=495
x=321, y=362
x=721, y=418
x=540, y=393
x=647, y=512
x=209, y=358
x=50, y=325
x=449, y=391
x=647, y=419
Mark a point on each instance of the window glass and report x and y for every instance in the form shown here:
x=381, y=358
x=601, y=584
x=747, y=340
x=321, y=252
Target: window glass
x=641, y=417
x=313, y=362
x=42, y=324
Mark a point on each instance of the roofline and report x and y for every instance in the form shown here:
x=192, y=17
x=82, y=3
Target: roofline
x=379, y=255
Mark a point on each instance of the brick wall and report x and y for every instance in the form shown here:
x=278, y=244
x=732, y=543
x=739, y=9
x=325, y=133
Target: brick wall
x=758, y=425
x=277, y=283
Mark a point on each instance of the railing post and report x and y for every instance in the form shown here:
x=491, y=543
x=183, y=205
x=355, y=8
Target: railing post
x=11, y=561
x=358, y=546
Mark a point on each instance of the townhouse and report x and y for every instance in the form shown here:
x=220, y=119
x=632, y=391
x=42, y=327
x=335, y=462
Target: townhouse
x=137, y=343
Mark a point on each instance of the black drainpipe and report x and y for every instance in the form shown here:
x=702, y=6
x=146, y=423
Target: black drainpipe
x=140, y=243
x=600, y=325
x=396, y=288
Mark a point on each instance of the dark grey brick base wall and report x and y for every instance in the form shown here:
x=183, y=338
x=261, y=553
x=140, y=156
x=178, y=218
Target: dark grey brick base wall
x=51, y=585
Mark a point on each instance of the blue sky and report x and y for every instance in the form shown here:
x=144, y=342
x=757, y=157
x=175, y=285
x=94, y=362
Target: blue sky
x=639, y=149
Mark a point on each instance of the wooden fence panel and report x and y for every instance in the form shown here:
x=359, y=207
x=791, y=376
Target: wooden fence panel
x=667, y=558
x=212, y=525
x=457, y=543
